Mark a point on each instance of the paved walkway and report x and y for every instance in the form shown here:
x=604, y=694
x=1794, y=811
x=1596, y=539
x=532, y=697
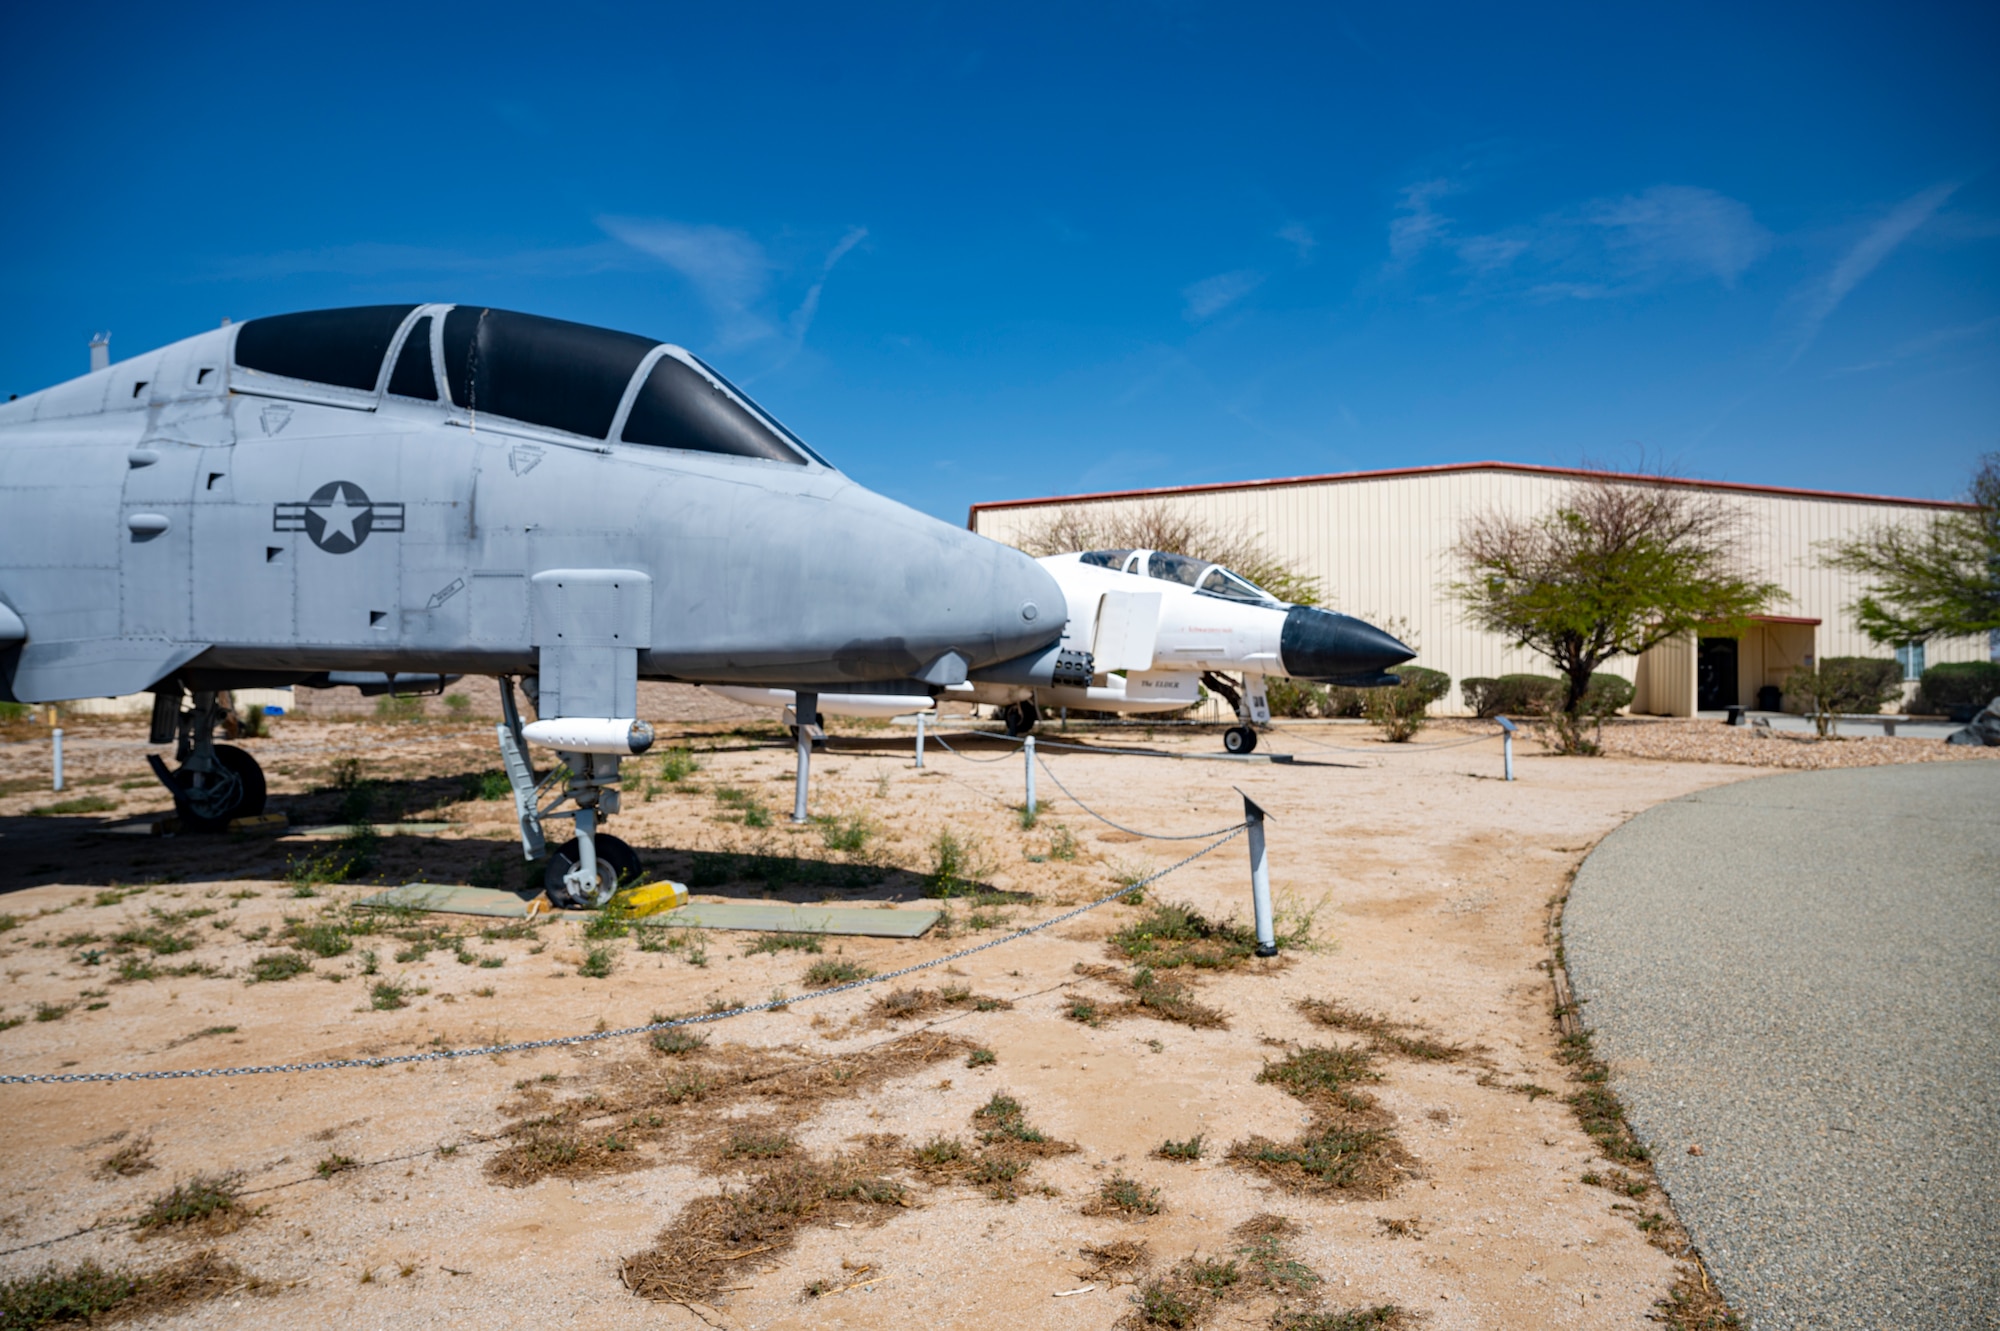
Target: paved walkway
x=1801, y=974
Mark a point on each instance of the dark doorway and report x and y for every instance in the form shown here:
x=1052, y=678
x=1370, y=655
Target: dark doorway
x=1715, y=675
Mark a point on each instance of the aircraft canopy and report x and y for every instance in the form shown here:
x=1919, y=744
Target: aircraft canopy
x=1206, y=578
x=546, y=372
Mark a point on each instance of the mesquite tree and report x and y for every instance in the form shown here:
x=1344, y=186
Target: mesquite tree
x=1612, y=568
x=1940, y=578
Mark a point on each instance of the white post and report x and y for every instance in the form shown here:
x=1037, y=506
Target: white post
x=1028, y=752
x=805, y=707
x=920, y=741
x=59, y=774
x=1507, y=745
x=1260, y=881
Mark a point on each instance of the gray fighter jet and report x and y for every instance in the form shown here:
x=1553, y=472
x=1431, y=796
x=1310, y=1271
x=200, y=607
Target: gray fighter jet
x=421, y=490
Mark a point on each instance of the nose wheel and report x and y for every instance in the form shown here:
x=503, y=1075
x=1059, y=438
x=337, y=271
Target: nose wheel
x=617, y=866
x=1020, y=717
x=1239, y=739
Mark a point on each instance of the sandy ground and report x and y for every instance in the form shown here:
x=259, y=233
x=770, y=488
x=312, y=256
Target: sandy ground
x=1428, y=881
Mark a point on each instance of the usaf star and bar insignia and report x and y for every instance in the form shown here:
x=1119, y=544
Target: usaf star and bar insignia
x=338, y=517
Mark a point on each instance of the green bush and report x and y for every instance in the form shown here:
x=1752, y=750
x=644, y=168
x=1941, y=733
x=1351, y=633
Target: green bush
x=1861, y=684
x=1511, y=695
x=1959, y=689
x=1400, y=708
x=1607, y=695
x=1840, y=684
x=1538, y=695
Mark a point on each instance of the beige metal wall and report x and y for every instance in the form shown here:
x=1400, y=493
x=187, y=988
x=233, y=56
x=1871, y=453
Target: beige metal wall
x=1381, y=547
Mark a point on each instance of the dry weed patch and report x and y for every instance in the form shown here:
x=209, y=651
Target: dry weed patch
x=206, y=1203
x=1396, y=1038
x=1349, y=1146
x=1259, y=1269
x=1146, y=994
x=1005, y=1151
x=134, y=1157
x=90, y=1293
x=681, y=1098
x=1173, y=934
x=707, y=1243
x=905, y=1004
x=1122, y=1196
x=1115, y=1262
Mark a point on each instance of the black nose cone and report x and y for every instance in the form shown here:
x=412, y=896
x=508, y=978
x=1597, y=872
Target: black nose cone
x=1332, y=648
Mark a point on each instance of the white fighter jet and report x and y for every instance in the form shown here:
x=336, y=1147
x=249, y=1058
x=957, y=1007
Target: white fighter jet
x=1158, y=626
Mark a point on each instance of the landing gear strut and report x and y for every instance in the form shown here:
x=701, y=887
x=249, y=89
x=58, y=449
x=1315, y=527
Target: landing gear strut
x=1248, y=702
x=586, y=871
x=212, y=784
x=1020, y=717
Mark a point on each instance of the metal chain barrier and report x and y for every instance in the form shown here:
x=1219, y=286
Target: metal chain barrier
x=1132, y=831
x=557, y=1042
x=1393, y=751
x=1000, y=758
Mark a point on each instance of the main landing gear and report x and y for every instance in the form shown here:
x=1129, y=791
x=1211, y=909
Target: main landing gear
x=212, y=784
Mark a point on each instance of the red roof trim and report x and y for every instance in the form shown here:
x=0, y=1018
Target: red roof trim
x=1449, y=467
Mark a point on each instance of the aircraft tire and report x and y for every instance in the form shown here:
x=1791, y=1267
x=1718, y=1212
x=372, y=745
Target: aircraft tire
x=197, y=814
x=616, y=863
x=1239, y=739
x=1020, y=717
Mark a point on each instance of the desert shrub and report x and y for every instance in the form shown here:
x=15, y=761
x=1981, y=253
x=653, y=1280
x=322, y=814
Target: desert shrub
x=1511, y=695
x=1841, y=684
x=1538, y=695
x=1303, y=698
x=1607, y=695
x=1960, y=688
x=1400, y=709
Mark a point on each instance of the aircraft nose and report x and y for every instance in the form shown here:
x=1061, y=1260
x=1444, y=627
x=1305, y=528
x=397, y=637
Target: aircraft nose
x=1325, y=645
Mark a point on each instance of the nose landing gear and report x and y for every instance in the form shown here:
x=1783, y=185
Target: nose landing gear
x=212, y=784
x=1020, y=717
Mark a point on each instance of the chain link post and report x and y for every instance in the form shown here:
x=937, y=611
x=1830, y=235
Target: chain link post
x=1507, y=745
x=805, y=711
x=920, y=741
x=58, y=757
x=1260, y=879
x=1028, y=753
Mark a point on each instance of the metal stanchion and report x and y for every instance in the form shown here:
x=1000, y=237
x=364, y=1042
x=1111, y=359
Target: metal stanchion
x=1507, y=744
x=1028, y=753
x=920, y=741
x=58, y=754
x=805, y=707
x=1260, y=880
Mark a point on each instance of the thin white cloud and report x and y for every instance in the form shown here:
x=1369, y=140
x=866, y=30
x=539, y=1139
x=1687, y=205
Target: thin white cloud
x=1929, y=342
x=1212, y=295
x=1417, y=225
x=1867, y=254
x=802, y=317
x=1680, y=230
x=1300, y=237
x=1604, y=248
x=726, y=267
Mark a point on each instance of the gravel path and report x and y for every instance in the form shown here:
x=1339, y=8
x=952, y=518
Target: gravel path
x=1801, y=975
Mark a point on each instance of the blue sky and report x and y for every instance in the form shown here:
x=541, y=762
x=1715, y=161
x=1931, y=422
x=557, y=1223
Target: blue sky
x=992, y=252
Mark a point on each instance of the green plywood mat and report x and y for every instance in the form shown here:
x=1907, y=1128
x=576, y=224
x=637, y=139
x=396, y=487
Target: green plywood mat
x=764, y=917
x=453, y=899
x=772, y=917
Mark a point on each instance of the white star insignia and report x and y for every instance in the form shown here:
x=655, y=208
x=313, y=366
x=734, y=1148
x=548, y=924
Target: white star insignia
x=340, y=516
